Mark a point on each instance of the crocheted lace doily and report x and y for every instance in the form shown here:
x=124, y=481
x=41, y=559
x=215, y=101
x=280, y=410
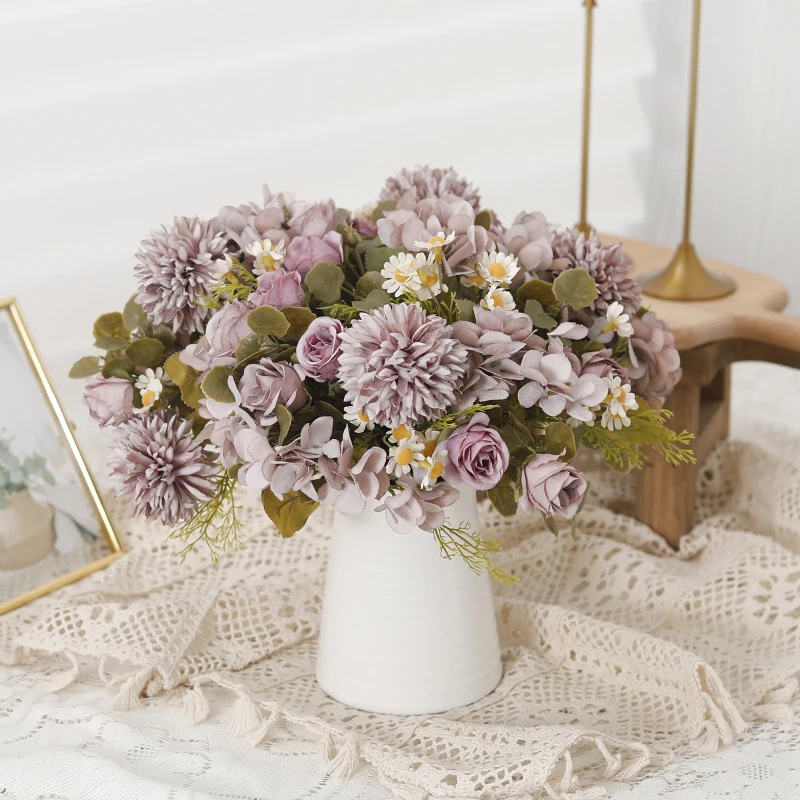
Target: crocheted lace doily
x=616, y=649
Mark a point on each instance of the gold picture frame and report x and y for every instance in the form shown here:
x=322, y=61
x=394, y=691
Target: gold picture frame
x=75, y=459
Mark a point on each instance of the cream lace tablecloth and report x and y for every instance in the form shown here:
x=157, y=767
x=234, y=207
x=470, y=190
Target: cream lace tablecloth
x=619, y=656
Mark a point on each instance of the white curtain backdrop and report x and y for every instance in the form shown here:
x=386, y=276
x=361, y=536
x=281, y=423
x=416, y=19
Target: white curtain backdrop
x=117, y=114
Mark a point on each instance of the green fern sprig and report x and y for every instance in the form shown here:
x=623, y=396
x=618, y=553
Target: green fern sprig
x=465, y=543
x=216, y=522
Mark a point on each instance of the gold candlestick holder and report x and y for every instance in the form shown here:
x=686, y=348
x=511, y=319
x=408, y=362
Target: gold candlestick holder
x=685, y=277
x=583, y=226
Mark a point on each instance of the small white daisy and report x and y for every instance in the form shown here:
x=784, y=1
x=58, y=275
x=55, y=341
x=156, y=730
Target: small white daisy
x=150, y=386
x=620, y=401
x=434, y=459
x=401, y=432
x=359, y=419
x=436, y=243
x=268, y=256
x=404, y=455
x=498, y=298
x=618, y=321
x=224, y=266
x=498, y=268
x=401, y=273
x=430, y=284
x=474, y=281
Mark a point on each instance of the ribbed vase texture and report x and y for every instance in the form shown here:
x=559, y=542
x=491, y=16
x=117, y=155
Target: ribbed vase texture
x=403, y=630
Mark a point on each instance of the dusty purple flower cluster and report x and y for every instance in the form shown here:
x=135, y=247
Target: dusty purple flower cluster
x=386, y=358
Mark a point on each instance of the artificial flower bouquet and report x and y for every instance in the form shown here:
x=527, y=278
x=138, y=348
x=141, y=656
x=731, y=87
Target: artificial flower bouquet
x=392, y=356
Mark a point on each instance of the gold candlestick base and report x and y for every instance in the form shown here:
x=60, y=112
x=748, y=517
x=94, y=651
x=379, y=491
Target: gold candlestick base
x=585, y=228
x=685, y=278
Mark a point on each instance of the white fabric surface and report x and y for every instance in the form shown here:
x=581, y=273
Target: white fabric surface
x=62, y=746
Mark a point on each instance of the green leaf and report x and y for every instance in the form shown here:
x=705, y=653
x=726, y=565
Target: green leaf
x=133, y=315
x=164, y=334
x=291, y=513
x=551, y=525
x=300, y=317
x=511, y=438
x=369, y=283
x=502, y=498
x=118, y=367
x=110, y=343
x=484, y=219
x=377, y=298
x=284, y=421
x=145, y=352
x=268, y=321
x=215, y=385
x=533, y=308
x=327, y=410
x=325, y=281
x=186, y=379
x=466, y=310
x=575, y=287
x=85, y=367
x=382, y=208
x=535, y=290
x=560, y=439
x=108, y=328
x=248, y=348
x=377, y=257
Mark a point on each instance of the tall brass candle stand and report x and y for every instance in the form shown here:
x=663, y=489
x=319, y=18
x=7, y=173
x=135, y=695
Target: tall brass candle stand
x=685, y=277
x=583, y=226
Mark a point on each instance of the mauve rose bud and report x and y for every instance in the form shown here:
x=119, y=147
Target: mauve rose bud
x=279, y=289
x=109, y=400
x=366, y=227
x=305, y=251
x=225, y=330
x=318, y=349
x=315, y=219
x=552, y=487
x=268, y=383
x=476, y=455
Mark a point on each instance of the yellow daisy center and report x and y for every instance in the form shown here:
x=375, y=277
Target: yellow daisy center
x=362, y=416
x=476, y=280
x=427, y=278
x=497, y=270
x=401, y=432
x=430, y=446
x=268, y=262
x=436, y=470
x=400, y=276
x=436, y=241
x=496, y=300
x=405, y=456
x=148, y=398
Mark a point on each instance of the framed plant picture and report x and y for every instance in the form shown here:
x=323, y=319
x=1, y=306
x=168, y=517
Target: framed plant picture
x=53, y=527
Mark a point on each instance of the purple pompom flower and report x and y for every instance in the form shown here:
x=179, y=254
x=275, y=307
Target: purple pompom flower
x=175, y=268
x=161, y=468
x=400, y=365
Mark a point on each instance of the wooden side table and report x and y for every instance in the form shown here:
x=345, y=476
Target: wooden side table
x=710, y=335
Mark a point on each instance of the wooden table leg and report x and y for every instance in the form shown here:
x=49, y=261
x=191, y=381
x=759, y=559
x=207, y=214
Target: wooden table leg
x=665, y=494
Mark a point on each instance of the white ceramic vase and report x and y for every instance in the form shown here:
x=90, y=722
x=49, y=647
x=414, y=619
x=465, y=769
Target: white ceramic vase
x=403, y=630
